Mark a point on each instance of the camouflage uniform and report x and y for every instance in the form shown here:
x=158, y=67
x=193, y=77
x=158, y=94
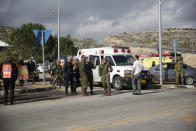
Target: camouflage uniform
x=51, y=72
x=179, y=72
x=83, y=74
x=104, y=69
x=58, y=74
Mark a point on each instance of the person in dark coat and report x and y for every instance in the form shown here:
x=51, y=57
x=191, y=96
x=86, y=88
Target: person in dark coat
x=90, y=66
x=68, y=75
x=76, y=76
x=9, y=72
x=31, y=68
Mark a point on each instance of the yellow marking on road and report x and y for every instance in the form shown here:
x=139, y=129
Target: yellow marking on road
x=132, y=119
x=188, y=117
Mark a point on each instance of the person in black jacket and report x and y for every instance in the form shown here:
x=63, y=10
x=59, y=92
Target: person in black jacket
x=31, y=68
x=90, y=66
x=9, y=75
x=76, y=76
x=68, y=75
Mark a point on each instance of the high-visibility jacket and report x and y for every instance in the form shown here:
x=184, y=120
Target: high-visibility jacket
x=7, y=71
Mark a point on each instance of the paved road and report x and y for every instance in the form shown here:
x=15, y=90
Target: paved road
x=154, y=110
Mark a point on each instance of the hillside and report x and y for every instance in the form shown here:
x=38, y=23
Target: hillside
x=186, y=38
x=5, y=32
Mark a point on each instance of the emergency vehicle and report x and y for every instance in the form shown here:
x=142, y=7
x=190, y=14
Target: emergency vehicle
x=120, y=59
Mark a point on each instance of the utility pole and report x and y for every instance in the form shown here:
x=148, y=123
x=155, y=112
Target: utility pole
x=160, y=44
x=58, y=30
x=44, y=82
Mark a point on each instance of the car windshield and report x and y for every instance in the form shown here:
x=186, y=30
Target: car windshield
x=123, y=60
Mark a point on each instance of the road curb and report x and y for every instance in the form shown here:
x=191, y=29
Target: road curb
x=28, y=90
x=182, y=87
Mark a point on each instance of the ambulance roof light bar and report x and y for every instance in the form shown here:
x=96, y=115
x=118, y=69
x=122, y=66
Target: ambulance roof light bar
x=121, y=47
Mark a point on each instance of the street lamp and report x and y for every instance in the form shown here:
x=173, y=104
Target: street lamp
x=58, y=17
x=160, y=44
x=58, y=31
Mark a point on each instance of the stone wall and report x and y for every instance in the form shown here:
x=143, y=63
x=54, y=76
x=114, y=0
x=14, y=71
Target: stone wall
x=186, y=38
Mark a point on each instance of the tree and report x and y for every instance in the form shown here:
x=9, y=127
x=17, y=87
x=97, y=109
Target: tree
x=24, y=43
x=67, y=46
x=51, y=48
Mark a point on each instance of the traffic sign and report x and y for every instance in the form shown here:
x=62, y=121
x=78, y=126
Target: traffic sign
x=136, y=42
x=38, y=34
x=174, y=44
x=42, y=36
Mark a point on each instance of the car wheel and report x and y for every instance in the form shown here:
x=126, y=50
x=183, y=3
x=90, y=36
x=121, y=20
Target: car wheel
x=189, y=80
x=117, y=83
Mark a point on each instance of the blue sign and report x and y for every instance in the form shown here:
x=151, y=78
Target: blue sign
x=46, y=34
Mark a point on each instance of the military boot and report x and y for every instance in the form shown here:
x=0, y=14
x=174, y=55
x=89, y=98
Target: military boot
x=66, y=91
x=92, y=93
x=108, y=93
x=85, y=92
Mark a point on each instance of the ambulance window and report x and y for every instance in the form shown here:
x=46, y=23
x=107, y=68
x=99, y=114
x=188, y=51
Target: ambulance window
x=93, y=59
x=110, y=61
x=121, y=60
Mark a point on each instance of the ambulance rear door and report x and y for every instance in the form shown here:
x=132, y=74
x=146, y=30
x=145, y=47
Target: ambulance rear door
x=96, y=76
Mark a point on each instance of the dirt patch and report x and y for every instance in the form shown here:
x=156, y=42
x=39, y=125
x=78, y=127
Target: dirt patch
x=190, y=59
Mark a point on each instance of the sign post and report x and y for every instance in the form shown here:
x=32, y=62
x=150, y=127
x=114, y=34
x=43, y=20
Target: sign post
x=160, y=44
x=174, y=44
x=42, y=36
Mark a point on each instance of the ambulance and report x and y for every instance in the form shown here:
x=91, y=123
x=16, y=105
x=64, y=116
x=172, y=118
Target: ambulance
x=118, y=57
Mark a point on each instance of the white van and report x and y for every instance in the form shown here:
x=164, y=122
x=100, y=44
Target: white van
x=120, y=59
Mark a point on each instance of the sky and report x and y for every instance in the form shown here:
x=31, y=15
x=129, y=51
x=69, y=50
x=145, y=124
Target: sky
x=99, y=18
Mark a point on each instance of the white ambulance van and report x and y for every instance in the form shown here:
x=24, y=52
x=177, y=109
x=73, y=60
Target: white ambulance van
x=120, y=59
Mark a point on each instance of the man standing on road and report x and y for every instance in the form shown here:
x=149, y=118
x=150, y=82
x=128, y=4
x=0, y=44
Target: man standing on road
x=76, y=75
x=179, y=72
x=104, y=72
x=68, y=75
x=31, y=68
x=136, y=79
x=58, y=72
x=90, y=66
x=9, y=72
x=51, y=72
x=83, y=74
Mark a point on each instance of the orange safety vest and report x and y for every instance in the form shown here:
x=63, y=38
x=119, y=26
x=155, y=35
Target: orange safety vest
x=7, y=71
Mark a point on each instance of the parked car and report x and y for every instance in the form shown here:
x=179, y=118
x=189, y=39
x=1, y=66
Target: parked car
x=169, y=74
x=40, y=68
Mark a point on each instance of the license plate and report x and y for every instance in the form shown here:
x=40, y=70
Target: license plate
x=143, y=81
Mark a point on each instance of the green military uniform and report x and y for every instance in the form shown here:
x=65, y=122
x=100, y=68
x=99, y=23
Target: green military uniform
x=58, y=72
x=51, y=71
x=179, y=72
x=83, y=74
x=90, y=74
x=104, y=69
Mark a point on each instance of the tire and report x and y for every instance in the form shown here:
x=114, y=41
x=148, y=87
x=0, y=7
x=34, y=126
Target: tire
x=117, y=83
x=189, y=80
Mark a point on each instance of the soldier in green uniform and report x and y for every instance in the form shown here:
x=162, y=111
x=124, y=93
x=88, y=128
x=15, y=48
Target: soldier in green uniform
x=58, y=73
x=51, y=72
x=179, y=72
x=90, y=66
x=104, y=73
x=83, y=74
